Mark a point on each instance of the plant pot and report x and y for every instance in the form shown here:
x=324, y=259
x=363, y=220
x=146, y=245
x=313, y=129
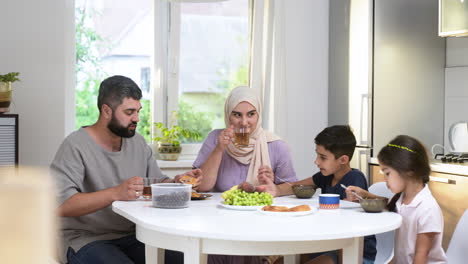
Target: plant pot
x=5, y=97
x=168, y=151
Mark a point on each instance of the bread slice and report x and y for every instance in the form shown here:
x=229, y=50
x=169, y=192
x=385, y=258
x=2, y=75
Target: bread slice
x=300, y=208
x=274, y=208
x=188, y=180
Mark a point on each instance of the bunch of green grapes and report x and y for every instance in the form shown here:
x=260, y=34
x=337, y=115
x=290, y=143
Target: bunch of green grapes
x=236, y=196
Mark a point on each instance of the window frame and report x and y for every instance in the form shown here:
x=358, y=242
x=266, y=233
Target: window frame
x=165, y=82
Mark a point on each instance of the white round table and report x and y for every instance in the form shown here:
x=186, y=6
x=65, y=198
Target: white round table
x=205, y=227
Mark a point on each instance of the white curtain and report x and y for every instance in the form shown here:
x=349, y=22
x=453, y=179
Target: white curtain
x=267, y=73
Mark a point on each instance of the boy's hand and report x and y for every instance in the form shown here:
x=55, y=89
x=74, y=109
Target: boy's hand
x=267, y=185
x=350, y=195
x=265, y=172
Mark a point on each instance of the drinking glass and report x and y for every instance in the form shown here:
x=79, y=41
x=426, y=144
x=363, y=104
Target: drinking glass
x=241, y=137
x=147, y=181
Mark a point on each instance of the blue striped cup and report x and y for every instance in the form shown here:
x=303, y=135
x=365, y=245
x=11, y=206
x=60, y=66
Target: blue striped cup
x=329, y=201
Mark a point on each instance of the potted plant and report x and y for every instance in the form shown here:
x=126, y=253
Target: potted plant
x=5, y=90
x=168, y=138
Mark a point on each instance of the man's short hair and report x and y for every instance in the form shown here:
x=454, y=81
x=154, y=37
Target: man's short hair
x=114, y=89
x=339, y=140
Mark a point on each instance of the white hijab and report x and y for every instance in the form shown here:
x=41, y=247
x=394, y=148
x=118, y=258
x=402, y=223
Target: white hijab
x=256, y=154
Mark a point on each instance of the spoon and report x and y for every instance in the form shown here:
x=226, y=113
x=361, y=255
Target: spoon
x=357, y=195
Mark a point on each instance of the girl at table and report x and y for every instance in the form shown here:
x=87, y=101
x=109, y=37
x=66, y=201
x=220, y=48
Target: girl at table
x=224, y=164
x=405, y=164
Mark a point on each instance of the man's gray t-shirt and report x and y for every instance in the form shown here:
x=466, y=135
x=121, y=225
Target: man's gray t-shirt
x=81, y=165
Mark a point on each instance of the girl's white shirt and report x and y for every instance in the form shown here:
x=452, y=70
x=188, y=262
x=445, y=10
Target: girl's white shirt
x=422, y=215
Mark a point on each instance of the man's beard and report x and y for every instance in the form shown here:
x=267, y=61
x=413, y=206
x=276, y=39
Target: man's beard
x=119, y=130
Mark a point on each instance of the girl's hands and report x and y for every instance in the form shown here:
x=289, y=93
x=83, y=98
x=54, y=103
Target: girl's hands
x=225, y=137
x=353, y=198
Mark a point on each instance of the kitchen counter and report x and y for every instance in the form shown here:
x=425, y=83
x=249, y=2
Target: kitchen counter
x=437, y=166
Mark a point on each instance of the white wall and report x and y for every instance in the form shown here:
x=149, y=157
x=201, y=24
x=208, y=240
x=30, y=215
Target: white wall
x=37, y=41
x=306, y=60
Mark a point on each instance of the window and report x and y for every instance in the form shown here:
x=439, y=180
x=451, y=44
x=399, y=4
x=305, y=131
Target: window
x=186, y=59
x=145, y=79
x=112, y=38
x=208, y=55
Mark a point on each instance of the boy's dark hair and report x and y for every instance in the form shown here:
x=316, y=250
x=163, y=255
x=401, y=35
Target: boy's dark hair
x=339, y=140
x=114, y=89
x=409, y=158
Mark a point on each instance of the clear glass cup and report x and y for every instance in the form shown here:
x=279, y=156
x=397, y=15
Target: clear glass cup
x=241, y=137
x=147, y=181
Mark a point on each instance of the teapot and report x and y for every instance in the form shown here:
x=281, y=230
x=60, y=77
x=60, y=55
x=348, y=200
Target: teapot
x=458, y=137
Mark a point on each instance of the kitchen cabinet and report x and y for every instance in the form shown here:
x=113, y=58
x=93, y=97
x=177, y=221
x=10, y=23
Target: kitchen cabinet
x=376, y=175
x=450, y=192
x=453, y=16
x=8, y=139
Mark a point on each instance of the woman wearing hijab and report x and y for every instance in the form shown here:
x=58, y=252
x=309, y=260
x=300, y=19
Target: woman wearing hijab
x=224, y=164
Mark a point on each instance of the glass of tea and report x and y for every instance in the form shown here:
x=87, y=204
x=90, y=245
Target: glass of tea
x=147, y=181
x=241, y=136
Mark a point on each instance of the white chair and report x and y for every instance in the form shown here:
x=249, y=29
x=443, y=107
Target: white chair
x=385, y=241
x=380, y=189
x=457, y=251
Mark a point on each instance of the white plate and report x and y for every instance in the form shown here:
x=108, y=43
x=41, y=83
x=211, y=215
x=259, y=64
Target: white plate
x=312, y=211
x=241, y=207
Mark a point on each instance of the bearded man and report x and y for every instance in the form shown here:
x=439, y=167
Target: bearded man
x=97, y=165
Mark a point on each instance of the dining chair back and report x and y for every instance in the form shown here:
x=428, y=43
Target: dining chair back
x=457, y=250
x=385, y=241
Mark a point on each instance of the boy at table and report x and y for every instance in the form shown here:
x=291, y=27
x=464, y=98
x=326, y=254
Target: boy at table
x=334, y=147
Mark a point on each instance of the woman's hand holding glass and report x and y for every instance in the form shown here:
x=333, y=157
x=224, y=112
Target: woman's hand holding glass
x=225, y=137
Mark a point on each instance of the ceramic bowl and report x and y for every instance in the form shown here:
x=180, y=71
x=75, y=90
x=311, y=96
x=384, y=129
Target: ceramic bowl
x=374, y=205
x=303, y=191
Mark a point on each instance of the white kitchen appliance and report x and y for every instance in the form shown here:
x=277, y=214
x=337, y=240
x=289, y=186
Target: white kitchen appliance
x=458, y=137
x=386, y=73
